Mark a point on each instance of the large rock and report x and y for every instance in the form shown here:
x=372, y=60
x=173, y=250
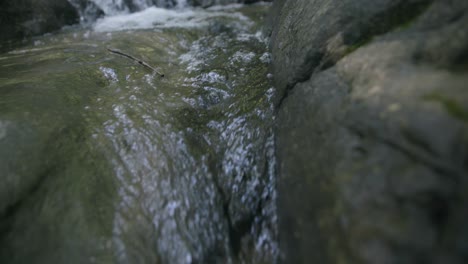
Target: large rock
x=22, y=18
x=372, y=137
x=313, y=34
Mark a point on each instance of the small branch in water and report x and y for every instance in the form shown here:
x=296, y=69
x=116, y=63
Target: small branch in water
x=135, y=59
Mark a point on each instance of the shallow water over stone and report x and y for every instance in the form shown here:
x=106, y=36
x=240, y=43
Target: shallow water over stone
x=104, y=161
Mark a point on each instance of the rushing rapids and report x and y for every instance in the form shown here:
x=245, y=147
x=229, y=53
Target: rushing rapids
x=92, y=9
x=104, y=161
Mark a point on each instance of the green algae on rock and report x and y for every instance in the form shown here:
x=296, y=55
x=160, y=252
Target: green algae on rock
x=105, y=162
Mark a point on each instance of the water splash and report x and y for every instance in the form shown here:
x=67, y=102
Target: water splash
x=90, y=10
x=154, y=17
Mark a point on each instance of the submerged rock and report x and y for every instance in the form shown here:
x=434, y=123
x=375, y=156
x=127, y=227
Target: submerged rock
x=372, y=130
x=103, y=161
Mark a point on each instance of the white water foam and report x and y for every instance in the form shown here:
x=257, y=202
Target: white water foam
x=111, y=7
x=118, y=7
x=182, y=3
x=155, y=17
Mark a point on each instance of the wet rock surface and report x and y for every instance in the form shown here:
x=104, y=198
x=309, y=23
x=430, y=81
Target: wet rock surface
x=104, y=161
x=33, y=17
x=372, y=136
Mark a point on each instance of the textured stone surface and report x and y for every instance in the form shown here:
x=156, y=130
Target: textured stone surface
x=313, y=34
x=102, y=162
x=32, y=17
x=372, y=136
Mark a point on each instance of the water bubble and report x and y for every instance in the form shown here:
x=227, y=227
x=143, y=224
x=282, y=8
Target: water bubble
x=109, y=74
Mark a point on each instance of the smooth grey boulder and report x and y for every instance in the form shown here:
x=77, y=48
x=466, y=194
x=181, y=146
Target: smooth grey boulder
x=310, y=35
x=23, y=18
x=372, y=136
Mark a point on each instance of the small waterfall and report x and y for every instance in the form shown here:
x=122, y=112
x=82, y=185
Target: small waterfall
x=182, y=3
x=111, y=7
x=90, y=10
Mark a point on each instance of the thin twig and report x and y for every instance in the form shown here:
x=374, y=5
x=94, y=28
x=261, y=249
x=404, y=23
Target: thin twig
x=135, y=59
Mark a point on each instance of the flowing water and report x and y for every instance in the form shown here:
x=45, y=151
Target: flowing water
x=104, y=161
